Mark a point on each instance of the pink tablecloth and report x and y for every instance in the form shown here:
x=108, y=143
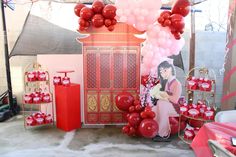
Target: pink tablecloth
x=221, y=132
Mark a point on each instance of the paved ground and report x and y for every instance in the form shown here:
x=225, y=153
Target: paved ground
x=48, y=141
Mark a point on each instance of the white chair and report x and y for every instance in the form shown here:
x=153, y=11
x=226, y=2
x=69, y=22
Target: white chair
x=218, y=150
x=226, y=116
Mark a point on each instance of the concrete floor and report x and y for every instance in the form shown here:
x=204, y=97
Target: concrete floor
x=48, y=141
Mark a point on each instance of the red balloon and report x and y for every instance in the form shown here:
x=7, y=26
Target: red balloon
x=87, y=24
x=167, y=23
x=124, y=100
x=127, y=116
x=132, y=131
x=148, y=108
x=111, y=28
x=137, y=102
x=125, y=129
x=113, y=21
x=134, y=119
x=138, y=108
x=81, y=28
x=98, y=6
x=78, y=8
x=82, y=22
x=109, y=11
x=174, y=125
x=181, y=7
x=144, y=80
x=143, y=115
x=108, y=22
x=148, y=128
x=131, y=109
x=150, y=114
x=86, y=13
x=177, y=22
x=165, y=14
x=161, y=20
x=195, y=123
x=98, y=20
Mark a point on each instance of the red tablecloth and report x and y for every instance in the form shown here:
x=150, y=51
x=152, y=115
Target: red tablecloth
x=221, y=132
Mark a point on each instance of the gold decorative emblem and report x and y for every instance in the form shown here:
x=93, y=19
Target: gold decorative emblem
x=92, y=103
x=105, y=103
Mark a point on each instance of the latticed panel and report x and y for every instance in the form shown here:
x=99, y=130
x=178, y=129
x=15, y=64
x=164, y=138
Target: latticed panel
x=105, y=68
x=91, y=70
x=131, y=71
x=118, y=70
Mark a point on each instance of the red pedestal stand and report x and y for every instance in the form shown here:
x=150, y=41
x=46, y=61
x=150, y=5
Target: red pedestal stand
x=68, y=107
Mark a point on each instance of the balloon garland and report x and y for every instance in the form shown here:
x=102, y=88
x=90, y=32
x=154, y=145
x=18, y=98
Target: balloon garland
x=163, y=39
x=97, y=16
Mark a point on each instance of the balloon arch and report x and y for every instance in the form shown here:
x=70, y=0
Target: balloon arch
x=163, y=39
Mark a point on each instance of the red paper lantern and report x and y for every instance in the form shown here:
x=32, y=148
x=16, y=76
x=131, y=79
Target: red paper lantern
x=148, y=128
x=124, y=100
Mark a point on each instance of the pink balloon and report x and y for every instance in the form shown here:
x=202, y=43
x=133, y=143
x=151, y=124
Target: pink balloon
x=131, y=20
x=141, y=26
x=123, y=18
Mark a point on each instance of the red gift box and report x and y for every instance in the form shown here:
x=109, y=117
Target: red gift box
x=31, y=76
x=46, y=98
x=209, y=114
x=189, y=134
x=57, y=80
x=36, y=98
x=48, y=119
x=30, y=121
x=41, y=76
x=206, y=85
x=193, y=112
x=200, y=81
x=192, y=84
x=39, y=118
x=66, y=81
x=28, y=98
x=184, y=109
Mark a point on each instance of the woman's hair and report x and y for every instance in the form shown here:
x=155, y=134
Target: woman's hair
x=164, y=65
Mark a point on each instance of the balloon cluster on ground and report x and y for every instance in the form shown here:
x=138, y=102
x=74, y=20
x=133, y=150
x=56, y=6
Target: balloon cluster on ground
x=97, y=16
x=140, y=119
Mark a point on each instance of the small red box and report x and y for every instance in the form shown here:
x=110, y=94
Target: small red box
x=68, y=107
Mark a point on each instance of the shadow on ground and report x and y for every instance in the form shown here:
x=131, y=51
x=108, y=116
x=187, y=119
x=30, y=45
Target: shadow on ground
x=48, y=141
